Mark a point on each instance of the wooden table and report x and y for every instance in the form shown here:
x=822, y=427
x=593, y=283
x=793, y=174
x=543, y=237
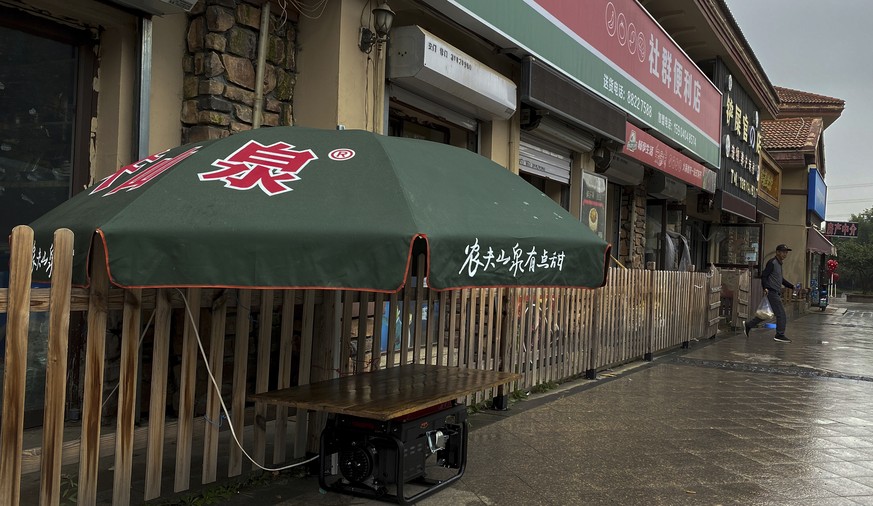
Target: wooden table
x=392, y=448
x=388, y=393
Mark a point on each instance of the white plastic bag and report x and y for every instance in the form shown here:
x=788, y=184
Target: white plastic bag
x=764, y=311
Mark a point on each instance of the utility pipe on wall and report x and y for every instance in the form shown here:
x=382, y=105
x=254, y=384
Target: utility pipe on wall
x=144, y=91
x=264, y=36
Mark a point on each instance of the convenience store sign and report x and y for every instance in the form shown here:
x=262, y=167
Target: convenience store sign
x=615, y=49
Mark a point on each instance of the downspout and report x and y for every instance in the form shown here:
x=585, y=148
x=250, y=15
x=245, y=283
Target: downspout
x=258, y=114
x=141, y=144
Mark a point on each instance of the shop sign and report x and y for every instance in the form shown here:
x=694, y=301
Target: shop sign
x=649, y=150
x=594, y=202
x=741, y=139
x=618, y=51
x=817, y=193
x=841, y=229
x=768, y=183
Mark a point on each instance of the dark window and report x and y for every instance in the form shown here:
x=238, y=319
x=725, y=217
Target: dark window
x=46, y=106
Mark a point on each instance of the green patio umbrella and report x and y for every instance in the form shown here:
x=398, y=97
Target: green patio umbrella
x=294, y=207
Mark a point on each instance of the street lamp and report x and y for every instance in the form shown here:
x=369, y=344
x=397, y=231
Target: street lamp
x=383, y=18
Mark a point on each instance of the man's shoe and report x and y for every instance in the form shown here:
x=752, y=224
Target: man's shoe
x=746, y=328
x=781, y=339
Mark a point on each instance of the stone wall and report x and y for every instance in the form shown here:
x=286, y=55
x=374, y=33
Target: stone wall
x=220, y=67
x=633, y=226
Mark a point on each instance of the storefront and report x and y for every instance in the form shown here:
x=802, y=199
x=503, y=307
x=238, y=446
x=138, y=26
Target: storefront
x=562, y=125
x=818, y=247
x=671, y=239
x=737, y=237
x=628, y=63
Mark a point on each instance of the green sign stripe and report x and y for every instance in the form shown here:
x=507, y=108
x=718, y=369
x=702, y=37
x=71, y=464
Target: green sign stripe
x=526, y=26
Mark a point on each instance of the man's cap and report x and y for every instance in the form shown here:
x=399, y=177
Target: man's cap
x=782, y=247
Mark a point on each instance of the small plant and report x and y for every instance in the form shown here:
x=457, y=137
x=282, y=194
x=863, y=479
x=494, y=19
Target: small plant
x=544, y=387
x=69, y=489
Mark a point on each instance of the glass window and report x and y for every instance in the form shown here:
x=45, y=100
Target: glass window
x=736, y=245
x=37, y=112
x=45, y=76
x=406, y=121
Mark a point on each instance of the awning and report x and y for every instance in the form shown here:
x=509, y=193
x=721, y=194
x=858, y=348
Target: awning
x=818, y=243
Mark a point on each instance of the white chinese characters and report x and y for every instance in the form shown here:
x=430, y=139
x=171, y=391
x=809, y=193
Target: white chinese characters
x=43, y=260
x=517, y=261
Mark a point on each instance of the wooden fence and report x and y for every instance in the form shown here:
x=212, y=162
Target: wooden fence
x=255, y=340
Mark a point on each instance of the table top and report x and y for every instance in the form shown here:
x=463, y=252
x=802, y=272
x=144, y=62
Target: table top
x=388, y=393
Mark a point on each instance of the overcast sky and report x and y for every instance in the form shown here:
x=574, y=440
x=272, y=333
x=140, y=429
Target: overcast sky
x=823, y=47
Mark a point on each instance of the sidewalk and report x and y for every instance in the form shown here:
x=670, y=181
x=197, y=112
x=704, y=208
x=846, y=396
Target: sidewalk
x=729, y=421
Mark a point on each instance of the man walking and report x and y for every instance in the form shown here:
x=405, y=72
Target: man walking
x=772, y=281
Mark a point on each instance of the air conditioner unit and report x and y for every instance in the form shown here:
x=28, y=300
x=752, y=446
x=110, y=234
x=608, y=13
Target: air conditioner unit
x=621, y=171
x=158, y=7
x=664, y=187
x=424, y=63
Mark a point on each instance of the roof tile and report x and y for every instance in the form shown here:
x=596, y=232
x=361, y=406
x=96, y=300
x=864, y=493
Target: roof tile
x=789, y=96
x=791, y=133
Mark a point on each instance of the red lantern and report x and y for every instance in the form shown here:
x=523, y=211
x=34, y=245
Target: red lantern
x=832, y=265
x=835, y=277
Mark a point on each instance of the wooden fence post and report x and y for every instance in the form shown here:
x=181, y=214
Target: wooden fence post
x=301, y=424
x=240, y=373
x=591, y=372
x=501, y=400
x=286, y=346
x=127, y=396
x=213, y=397
x=158, y=396
x=262, y=375
x=187, y=387
x=95, y=355
x=650, y=317
x=17, y=323
x=56, y=367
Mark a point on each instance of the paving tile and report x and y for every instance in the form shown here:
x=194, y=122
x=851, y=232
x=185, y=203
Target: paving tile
x=846, y=487
x=845, y=469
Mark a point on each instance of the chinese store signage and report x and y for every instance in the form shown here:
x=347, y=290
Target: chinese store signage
x=768, y=183
x=817, y=193
x=841, y=229
x=649, y=150
x=617, y=50
x=741, y=146
x=594, y=203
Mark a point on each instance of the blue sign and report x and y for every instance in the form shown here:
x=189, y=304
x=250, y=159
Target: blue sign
x=817, y=196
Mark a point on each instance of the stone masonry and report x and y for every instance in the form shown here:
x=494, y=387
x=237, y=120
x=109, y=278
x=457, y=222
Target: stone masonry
x=220, y=68
x=633, y=226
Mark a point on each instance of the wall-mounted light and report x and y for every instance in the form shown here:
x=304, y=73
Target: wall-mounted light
x=383, y=18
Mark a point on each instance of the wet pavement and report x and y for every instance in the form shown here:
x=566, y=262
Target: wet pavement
x=732, y=420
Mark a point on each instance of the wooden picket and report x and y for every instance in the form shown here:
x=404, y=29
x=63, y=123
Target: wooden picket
x=56, y=368
x=93, y=392
x=18, y=320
